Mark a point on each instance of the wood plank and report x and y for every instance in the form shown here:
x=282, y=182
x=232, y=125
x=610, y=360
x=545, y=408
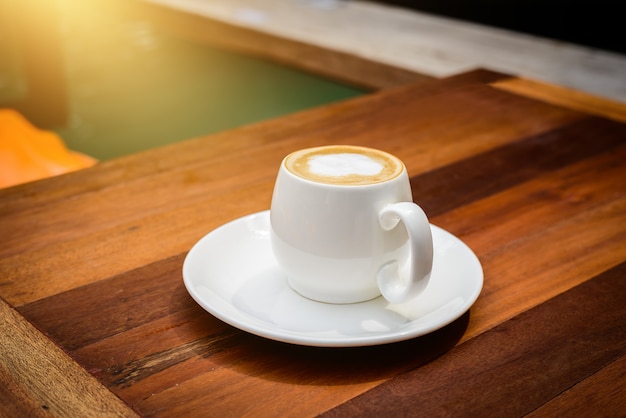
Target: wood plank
x=603, y=394
x=557, y=345
x=573, y=215
x=538, y=203
x=107, y=307
x=32, y=365
x=526, y=270
x=454, y=185
x=563, y=96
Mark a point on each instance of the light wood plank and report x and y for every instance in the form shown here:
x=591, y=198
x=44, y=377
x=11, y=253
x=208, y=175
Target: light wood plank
x=43, y=380
x=563, y=96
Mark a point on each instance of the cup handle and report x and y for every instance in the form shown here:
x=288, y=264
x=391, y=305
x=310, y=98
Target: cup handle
x=394, y=288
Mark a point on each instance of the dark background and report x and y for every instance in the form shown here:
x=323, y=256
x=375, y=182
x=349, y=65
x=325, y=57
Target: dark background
x=600, y=24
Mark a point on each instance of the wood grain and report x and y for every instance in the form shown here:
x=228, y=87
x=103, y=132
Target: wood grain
x=555, y=346
x=488, y=173
x=601, y=394
x=94, y=260
x=563, y=96
x=31, y=362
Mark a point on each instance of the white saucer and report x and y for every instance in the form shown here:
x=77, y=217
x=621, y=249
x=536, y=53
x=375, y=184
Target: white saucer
x=231, y=272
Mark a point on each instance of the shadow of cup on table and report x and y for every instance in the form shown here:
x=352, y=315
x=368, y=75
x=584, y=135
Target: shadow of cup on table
x=305, y=365
x=206, y=337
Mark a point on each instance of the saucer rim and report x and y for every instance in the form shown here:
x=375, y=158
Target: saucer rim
x=246, y=323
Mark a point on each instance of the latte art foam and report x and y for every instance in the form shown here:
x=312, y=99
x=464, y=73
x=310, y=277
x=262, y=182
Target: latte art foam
x=344, y=165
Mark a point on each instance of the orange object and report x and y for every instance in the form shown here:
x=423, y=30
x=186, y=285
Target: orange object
x=27, y=153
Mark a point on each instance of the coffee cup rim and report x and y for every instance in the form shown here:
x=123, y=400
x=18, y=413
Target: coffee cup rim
x=399, y=174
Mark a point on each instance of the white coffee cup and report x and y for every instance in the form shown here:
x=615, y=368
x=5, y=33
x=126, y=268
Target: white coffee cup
x=344, y=227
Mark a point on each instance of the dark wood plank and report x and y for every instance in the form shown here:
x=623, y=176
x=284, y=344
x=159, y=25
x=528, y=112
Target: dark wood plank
x=556, y=345
x=488, y=173
x=603, y=394
x=99, y=310
x=539, y=203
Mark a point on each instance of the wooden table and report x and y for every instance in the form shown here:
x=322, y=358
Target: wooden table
x=96, y=320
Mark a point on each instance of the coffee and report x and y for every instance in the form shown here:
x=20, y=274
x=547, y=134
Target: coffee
x=344, y=165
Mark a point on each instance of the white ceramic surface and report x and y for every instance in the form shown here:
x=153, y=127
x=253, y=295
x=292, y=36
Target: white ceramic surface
x=344, y=226
x=232, y=273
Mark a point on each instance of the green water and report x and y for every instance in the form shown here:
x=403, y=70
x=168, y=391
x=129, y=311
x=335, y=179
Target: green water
x=133, y=87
